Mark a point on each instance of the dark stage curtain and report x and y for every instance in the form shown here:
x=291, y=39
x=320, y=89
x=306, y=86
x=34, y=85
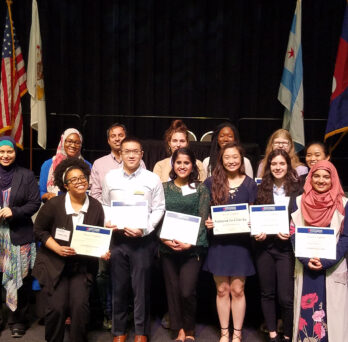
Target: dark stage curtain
x=217, y=59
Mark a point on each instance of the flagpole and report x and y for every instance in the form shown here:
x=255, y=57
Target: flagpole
x=31, y=149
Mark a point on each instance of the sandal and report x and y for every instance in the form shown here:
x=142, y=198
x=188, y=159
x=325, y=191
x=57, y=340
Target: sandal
x=235, y=336
x=225, y=334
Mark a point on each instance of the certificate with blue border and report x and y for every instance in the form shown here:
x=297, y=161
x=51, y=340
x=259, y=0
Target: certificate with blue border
x=269, y=218
x=180, y=227
x=315, y=242
x=129, y=214
x=91, y=240
x=230, y=219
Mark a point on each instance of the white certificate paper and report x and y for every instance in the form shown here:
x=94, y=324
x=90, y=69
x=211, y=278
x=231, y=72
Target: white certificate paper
x=230, y=219
x=130, y=214
x=91, y=240
x=180, y=227
x=269, y=218
x=315, y=242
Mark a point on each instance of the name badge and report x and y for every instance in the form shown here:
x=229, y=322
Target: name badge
x=62, y=234
x=186, y=190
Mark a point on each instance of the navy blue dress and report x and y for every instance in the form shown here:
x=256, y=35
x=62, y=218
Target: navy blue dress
x=230, y=255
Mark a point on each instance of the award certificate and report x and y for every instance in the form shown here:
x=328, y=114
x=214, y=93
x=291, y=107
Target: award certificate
x=133, y=214
x=230, y=219
x=180, y=227
x=269, y=219
x=91, y=240
x=314, y=242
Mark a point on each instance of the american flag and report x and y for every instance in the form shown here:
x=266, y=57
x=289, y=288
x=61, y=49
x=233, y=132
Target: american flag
x=13, y=84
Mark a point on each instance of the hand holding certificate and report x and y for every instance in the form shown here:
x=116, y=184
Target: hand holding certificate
x=315, y=242
x=133, y=214
x=230, y=219
x=91, y=240
x=269, y=219
x=180, y=227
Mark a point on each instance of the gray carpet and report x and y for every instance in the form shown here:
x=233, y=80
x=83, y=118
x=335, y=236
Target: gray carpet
x=204, y=333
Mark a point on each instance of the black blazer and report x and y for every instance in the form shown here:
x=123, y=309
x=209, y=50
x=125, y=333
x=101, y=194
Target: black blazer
x=24, y=203
x=49, y=265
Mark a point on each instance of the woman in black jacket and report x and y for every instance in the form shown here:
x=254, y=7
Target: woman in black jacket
x=65, y=277
x=19, y=200
x=273, y=253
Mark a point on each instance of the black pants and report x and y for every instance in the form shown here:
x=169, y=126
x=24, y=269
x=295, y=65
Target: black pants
x=180, y=275
x=19, y=318
x=131, y=261
x=71, y=296
x=276, y=273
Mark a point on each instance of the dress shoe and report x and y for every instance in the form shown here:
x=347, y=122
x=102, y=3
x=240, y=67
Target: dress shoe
x=140, y=338
x=120, y=338
x=17, y=333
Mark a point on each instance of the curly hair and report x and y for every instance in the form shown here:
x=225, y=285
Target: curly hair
x=220, y=185
x=215, y=148
x=62, y=170
x=194, y=175
x=280, y=133
x=291, y=180
x=177, y=126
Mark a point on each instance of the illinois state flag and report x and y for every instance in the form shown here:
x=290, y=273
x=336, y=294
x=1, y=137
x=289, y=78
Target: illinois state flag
x=13, y=83
x=337, y=122
x=290, y=92
x=35, y=80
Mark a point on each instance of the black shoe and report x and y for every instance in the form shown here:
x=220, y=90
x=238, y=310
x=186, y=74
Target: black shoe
x=275, y=339
x=17, y=333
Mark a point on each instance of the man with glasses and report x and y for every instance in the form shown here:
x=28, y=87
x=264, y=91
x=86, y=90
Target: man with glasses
x=132, y=249
x=115, y=135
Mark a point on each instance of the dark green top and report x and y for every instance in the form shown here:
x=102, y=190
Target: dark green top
x=197, y=204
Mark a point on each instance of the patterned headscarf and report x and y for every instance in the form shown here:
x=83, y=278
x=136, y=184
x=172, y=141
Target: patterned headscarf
x=59, y=157
x=318, y=208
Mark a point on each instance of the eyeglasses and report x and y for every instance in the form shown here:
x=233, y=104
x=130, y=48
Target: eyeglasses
x=128, y=152
x=76, y=180
x=73, y=142
x=281, y=143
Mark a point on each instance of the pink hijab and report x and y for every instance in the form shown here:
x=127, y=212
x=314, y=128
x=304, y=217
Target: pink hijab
x=59, y=157
x=318, y=208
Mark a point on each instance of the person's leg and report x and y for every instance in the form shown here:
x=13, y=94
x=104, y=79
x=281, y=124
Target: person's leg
x=189, y=273
x=238, y=305
x=223, y=305
x=120, y=276
x=141, y=258
x=285, y=284
x=171, y=267
x=103, y=281
x=267, y=276
x=79, y=291
x=18, y=319
x=56, y=311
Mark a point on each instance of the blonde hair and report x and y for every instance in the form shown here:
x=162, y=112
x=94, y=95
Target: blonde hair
x=280, y=133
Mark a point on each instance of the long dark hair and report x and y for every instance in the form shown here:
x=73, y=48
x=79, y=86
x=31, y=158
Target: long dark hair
x=220, y=186
x=291, y=181
x=194, y=175
x=215, y=148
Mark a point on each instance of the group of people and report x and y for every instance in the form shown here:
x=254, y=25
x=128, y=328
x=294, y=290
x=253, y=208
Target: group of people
x=312, y=294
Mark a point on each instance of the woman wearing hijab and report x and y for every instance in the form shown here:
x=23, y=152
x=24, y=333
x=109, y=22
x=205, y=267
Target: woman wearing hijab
x=19, y=200
x=321, y=287
x=69, y=147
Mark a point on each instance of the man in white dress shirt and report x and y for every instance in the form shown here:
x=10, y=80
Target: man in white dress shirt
x=132, y=249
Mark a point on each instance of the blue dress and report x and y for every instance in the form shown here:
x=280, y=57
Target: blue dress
x=230, y=255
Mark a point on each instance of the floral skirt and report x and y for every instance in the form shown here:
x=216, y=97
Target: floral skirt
x=15, y=262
